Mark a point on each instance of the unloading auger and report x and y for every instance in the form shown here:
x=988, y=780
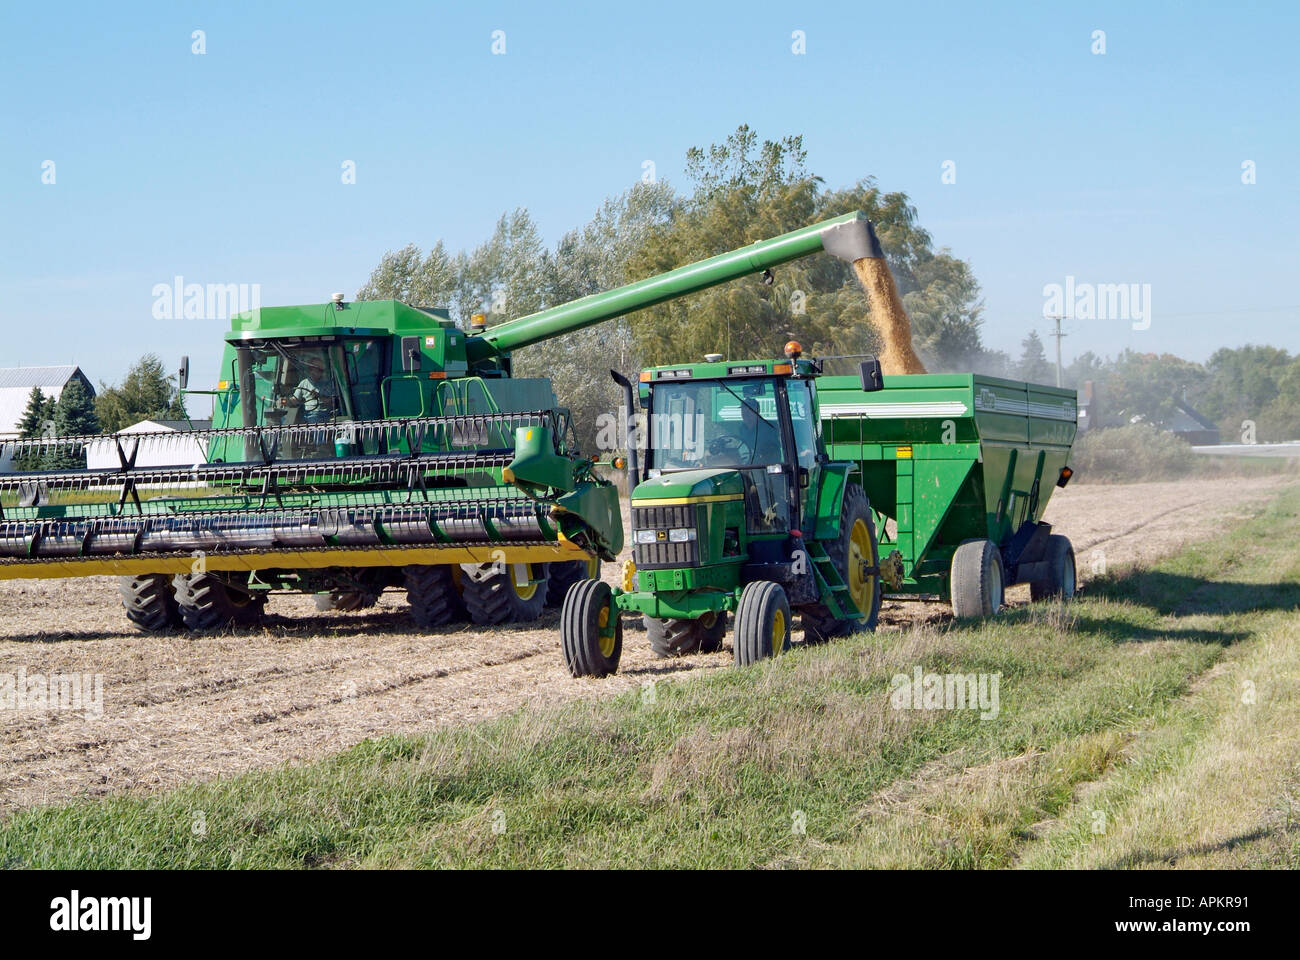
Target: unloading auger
x=355, y=447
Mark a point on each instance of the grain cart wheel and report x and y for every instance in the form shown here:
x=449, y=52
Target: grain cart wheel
x=149, y=601
x=855, y=547
x=1060, y=580
x=591, y=630
x=977, y=579
x=762, y=623
x=678, y=637
x=207, y=602
x=431, y=592
x=516, y=595
x=564, y=574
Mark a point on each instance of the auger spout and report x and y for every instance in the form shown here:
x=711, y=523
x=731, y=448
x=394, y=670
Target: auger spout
x=849, y=237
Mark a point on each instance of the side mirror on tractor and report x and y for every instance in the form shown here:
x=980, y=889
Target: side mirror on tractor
x=870, y=376
x=183, y=375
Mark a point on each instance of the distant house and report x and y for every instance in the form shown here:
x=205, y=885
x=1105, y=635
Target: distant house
x=181, y=450
x=1191, y=426
x=16, y=388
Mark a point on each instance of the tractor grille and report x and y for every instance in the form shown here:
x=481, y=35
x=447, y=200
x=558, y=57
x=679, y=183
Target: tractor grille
x=664, y=553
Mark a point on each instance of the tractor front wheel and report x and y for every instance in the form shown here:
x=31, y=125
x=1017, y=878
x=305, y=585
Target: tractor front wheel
x=678, y=637
x=977, y=580
x=762, y=623
x=591, y=630
x=150, y=602
x=207, y=602
x=1060, y=581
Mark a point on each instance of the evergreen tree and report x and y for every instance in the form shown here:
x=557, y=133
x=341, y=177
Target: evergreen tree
x=1033, y=365
x=74, y=416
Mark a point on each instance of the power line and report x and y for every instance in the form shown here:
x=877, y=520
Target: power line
x=1058, y=335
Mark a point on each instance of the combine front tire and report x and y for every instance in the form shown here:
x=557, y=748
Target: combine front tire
x=431, y=592
x=1060, y=581
x=591, y=630
x=977, y=580
x=516, y=595
x=564, y=574
x=762, y=623
x=209, y=603
x=678, y=637
x=149, y=601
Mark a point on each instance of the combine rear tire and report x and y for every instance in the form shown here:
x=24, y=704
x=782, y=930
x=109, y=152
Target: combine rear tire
x=855, y=546
x=678, y=637
x=209, y=603
x=431, y=592
x=977, y=580
x=1060, y=581
x=563, y=575
x=149, y=601
x=592, y=643
x=762, y=623
x=500, y=599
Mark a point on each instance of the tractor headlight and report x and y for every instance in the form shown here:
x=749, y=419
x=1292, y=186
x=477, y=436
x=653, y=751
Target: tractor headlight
x=681, y=534
x=645, y=536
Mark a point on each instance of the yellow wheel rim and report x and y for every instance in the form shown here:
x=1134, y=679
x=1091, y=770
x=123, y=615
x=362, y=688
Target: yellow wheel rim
x=604, y=633
x=778, y=632
x=861, y=552
x=520, y=576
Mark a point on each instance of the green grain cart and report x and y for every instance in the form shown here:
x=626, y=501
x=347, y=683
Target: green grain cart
x=769, y=489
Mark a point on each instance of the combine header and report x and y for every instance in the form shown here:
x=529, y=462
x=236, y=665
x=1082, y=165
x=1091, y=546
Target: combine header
x=355, y=447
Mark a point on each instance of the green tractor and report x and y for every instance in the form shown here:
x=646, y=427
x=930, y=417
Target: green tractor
x=768, y=488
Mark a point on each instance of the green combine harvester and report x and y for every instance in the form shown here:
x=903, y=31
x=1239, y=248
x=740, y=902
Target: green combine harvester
x=355, y=447
x=770, y=489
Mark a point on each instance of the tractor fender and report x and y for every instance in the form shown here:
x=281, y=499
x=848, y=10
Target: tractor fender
x=832, y=479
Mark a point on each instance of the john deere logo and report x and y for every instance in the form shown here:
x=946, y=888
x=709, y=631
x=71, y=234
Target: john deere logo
x=661, y=534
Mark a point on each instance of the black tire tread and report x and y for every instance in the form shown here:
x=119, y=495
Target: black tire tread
x=751, y=635
x=150, y=602
x=676, y=637
x=493, y=601
x=578, y=631
x=431, y=594
x=206, y=603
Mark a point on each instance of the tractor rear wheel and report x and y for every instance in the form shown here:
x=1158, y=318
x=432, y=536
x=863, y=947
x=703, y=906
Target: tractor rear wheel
x=1060, y=581
x=678, y=637
x=977, y=580
x=150, y=602
x=431, y=593
x=762, y=627
x=591, y=630
x=564, y=574
x=516, y=595
x=207, y=602
x=854, y=548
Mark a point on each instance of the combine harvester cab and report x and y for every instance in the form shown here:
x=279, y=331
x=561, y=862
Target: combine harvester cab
x=810, y=494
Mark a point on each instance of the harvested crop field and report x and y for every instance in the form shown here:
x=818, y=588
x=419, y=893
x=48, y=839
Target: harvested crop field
x=181, y=708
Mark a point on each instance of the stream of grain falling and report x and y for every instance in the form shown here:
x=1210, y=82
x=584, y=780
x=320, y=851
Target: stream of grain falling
x=888, y=315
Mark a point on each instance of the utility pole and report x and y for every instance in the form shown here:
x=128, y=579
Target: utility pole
x=1058, y=335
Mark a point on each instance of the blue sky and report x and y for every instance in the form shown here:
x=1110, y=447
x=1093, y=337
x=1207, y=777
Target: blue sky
x=225, y=168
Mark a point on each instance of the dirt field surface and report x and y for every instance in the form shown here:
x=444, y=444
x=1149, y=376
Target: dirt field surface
x=178, y=708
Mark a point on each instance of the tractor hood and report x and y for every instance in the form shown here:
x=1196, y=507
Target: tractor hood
x=691, y=485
